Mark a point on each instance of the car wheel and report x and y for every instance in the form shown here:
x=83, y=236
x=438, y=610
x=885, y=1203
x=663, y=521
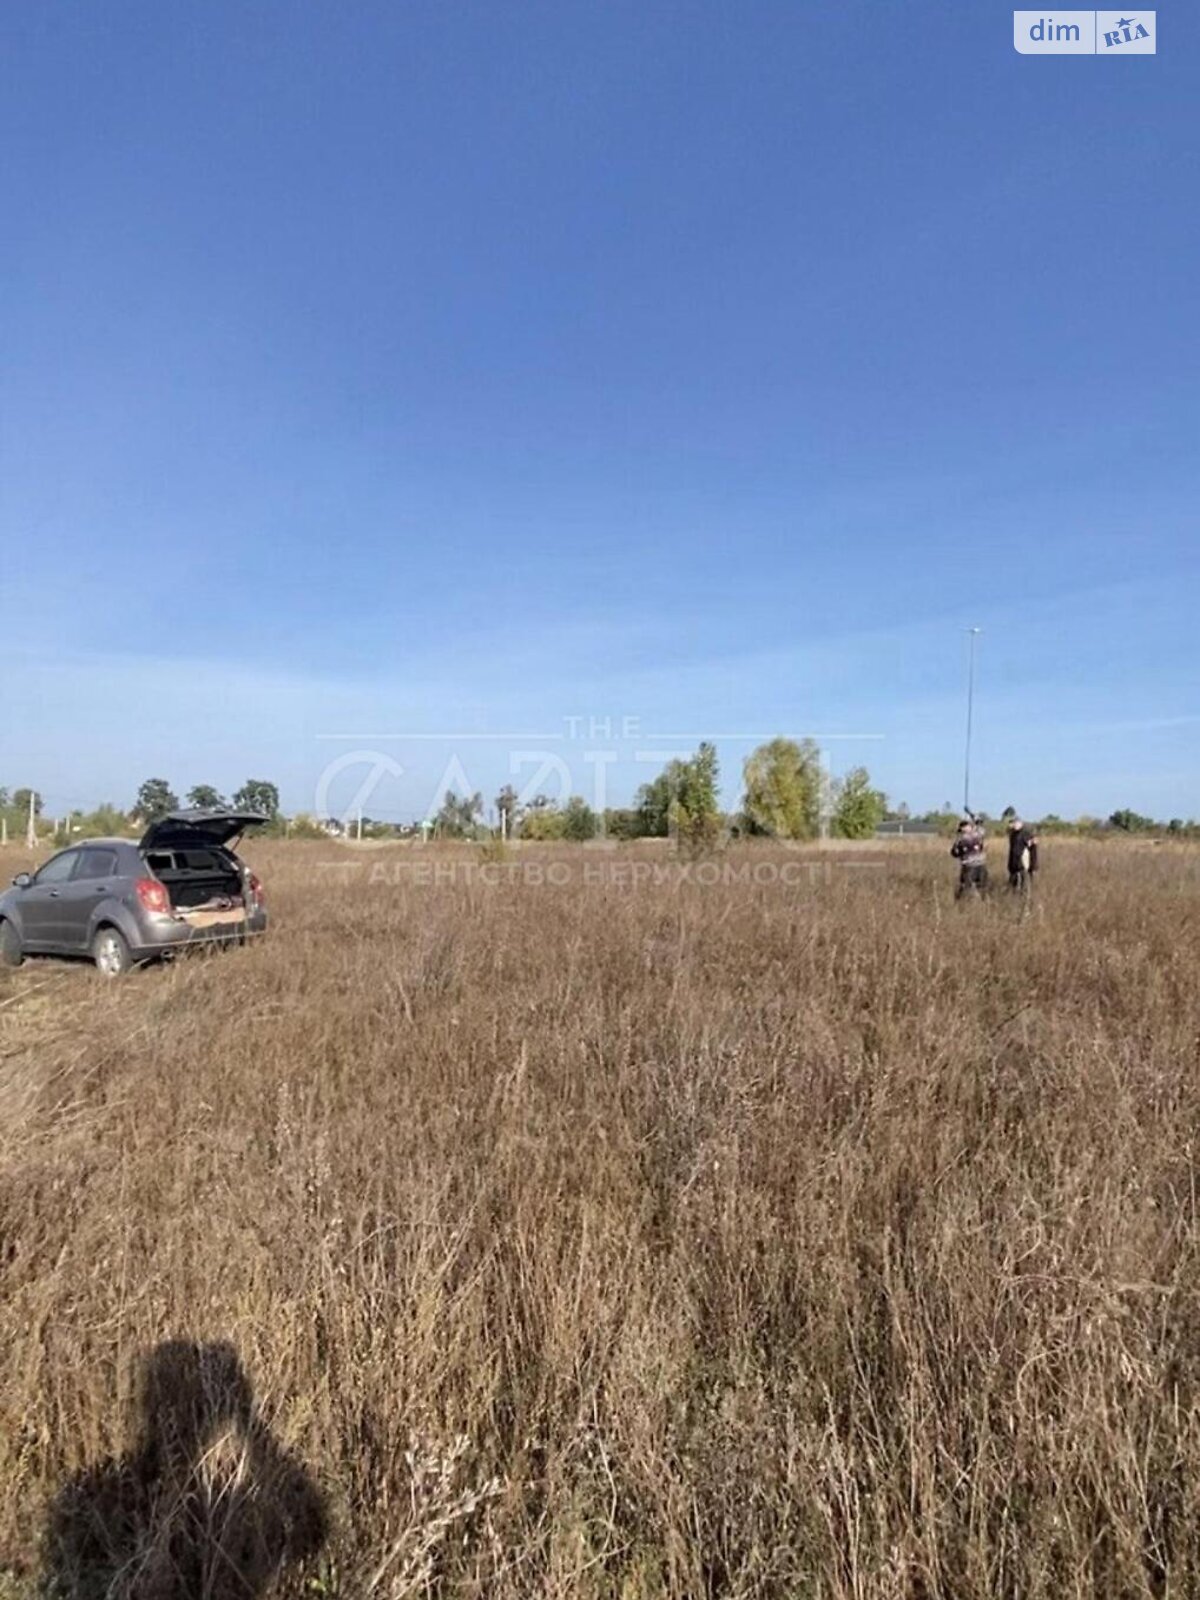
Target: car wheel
x=10, y=945
x=111, y=953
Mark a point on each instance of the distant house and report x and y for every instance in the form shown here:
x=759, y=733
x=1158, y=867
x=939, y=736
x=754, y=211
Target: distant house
x=905, y=829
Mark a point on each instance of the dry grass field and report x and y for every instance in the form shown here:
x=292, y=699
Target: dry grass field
x=794, y=1234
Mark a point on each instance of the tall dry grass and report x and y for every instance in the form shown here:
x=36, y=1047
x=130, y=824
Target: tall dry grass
x=610, y=1240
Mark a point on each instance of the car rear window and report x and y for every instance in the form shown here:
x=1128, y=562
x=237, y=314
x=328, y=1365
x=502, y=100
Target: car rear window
x=202, y=860
x=199, y=860
x=96, y=864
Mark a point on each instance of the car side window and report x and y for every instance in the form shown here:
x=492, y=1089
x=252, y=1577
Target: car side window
x=59, y=868
x=96, y=864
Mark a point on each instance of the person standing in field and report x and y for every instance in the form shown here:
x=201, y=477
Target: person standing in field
x=970, y=851
x=1022, y=856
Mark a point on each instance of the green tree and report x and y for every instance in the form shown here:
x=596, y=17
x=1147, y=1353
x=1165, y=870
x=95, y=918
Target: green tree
x=579, y=820
x=457, y=817
x=304, y=826
x=256, y=794
x=20, y=802
x=858, y=808
x=155, y=798
x=622, y=823
x=508, y=810
x=653, y=802
x=783, y=789
x=104, y=822
x=1130, y=822
x=682, y=801
x=543, y=823
x=696, y=811
x=206, y=797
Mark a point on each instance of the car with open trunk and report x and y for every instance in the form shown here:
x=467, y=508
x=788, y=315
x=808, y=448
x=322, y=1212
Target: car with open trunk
x=123, y=901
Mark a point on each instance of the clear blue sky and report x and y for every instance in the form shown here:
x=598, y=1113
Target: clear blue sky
x=427, y=366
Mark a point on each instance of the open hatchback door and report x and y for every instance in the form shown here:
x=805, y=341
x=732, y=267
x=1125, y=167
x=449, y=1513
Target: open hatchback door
x=199, y=826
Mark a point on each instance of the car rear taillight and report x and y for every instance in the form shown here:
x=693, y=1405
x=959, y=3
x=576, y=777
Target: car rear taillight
x=152, y=894
x=256, y=890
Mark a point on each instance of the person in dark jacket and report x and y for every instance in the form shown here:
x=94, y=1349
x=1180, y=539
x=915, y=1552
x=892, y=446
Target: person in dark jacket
x=1022, y=856
x=970, y=851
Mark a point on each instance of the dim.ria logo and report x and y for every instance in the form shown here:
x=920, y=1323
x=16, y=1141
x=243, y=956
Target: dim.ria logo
x=1125, y=31
x=1084, y=33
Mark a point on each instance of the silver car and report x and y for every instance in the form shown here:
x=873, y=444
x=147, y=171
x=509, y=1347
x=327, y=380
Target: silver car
x=123, y=902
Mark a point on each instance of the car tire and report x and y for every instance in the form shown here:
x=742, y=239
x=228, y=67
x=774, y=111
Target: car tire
x=111, y=953
x=11, y=954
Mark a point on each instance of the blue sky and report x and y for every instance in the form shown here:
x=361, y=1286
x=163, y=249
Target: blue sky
x=453, y=368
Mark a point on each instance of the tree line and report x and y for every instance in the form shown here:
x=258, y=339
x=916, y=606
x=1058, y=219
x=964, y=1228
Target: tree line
x=155, y=798
x=787, y=794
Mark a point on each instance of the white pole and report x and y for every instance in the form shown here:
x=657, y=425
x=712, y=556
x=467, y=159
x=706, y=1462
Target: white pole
x=974, y=634
x=31, y=826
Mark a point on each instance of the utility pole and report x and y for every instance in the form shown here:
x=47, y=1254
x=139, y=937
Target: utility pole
x=973, y=634
x=31, y=825
x=359, y=833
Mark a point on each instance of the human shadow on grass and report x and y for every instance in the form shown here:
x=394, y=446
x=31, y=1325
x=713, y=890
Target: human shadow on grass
x=207, y=1506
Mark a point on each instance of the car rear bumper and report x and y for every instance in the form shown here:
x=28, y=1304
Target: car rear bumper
x=159, y=935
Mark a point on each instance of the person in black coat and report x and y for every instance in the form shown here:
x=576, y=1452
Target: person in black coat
x=1022, y=856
